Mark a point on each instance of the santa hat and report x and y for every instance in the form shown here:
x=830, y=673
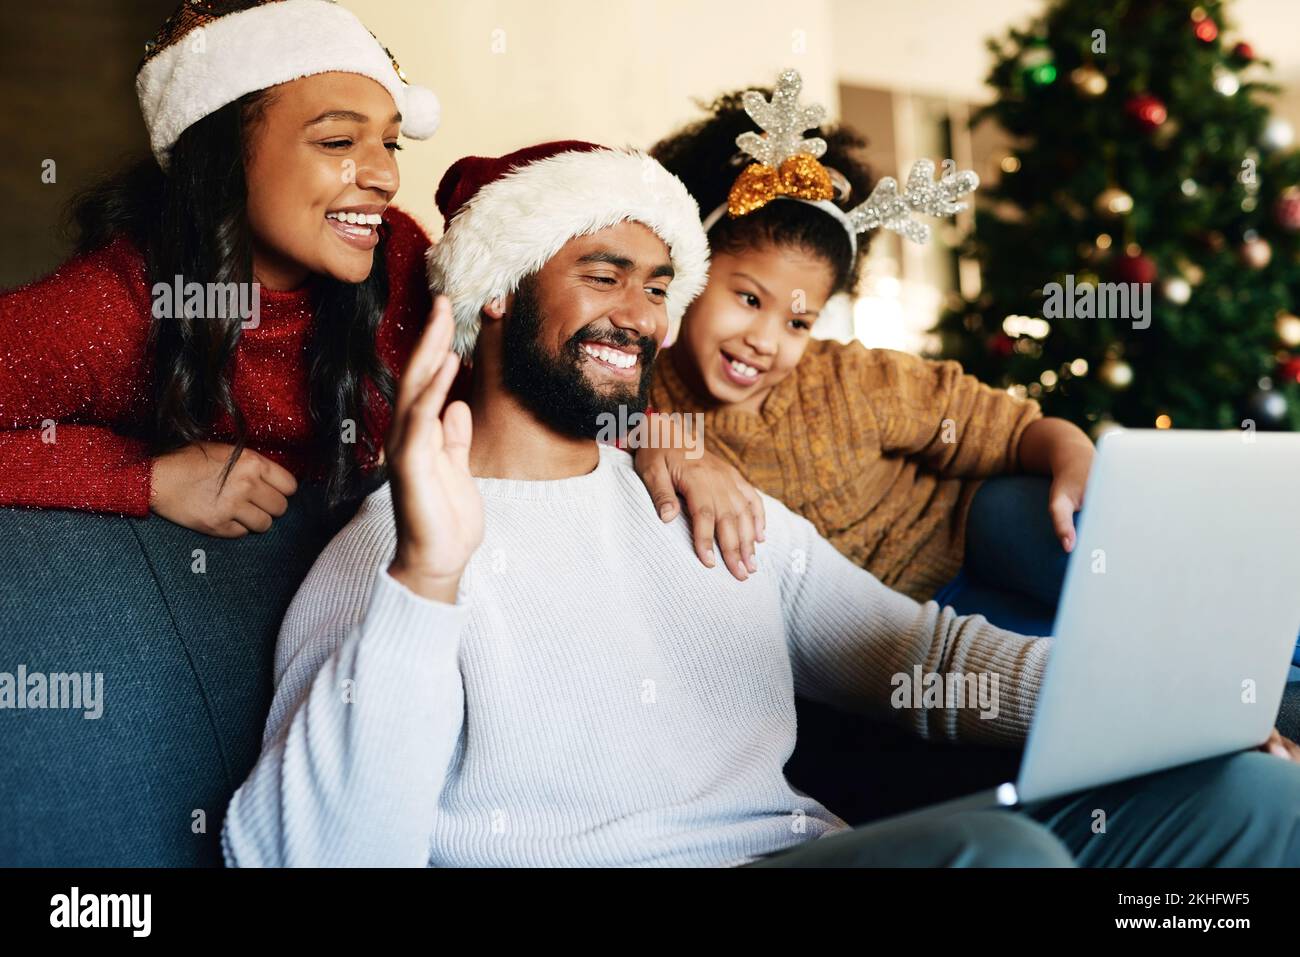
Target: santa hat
x=211, y=52
x=507, y=216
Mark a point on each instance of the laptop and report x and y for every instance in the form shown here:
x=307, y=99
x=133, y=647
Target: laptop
x=1178, y=616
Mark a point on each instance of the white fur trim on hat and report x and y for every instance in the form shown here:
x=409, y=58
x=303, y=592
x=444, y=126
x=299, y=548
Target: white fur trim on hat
x=515, y=224
x=264, y=46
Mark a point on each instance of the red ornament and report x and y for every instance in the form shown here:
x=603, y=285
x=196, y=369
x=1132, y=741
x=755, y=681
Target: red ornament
x=1001, y=344
x=1244, y=51
x=1138, y=269
x=1206, y=30
x=1290, y=369
x=1147, y=110
x=1287, y=209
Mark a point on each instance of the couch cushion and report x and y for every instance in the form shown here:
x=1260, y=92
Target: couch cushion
x=186, y=663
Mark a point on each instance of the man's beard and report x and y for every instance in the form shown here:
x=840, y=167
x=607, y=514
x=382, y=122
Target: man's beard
x=555, y=388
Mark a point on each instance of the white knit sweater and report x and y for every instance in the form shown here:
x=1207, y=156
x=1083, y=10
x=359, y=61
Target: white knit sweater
x=596, y=696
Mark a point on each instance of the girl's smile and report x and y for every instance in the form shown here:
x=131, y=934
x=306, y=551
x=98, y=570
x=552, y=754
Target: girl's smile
x=749, y=328
x=738, y=371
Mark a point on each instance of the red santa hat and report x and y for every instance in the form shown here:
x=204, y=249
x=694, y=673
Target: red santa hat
x=507, y=216
x=212, y=52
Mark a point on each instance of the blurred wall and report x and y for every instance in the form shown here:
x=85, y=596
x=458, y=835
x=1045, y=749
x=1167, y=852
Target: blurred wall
x=621, y=72
x=67, y=81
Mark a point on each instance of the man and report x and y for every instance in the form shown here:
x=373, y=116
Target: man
x=506, y=658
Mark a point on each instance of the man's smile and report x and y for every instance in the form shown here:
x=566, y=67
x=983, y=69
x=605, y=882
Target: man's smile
x=617, y=361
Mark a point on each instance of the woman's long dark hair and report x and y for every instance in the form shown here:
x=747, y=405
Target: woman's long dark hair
x=193, y=222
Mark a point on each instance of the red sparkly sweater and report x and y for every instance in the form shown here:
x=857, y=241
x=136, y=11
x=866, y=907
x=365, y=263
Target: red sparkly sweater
x=73, y=353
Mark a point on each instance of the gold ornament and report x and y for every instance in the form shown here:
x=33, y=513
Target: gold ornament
x=1256, y=253
x=1089, y=81
x=1165, y=133
x=1193, y=273
x=1113, y=201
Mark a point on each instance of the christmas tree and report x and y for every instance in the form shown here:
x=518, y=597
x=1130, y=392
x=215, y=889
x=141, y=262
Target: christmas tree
x=1144, y=153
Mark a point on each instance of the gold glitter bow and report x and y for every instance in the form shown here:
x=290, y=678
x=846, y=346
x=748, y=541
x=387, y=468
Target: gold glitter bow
x=758, y=184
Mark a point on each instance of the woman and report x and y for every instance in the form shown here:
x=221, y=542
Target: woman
x=241, y=303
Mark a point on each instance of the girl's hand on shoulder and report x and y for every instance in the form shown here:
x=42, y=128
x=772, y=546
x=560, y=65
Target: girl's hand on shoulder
x=186, y=488
x=719, y=502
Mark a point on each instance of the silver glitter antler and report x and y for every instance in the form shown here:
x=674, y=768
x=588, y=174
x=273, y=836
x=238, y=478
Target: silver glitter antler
x=888, y=208
x=783, y=121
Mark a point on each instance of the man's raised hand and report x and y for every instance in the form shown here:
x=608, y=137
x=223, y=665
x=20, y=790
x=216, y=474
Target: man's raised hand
x=436, y=504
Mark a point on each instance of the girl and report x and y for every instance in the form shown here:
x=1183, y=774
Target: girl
x=274, y=128
x=882, y=451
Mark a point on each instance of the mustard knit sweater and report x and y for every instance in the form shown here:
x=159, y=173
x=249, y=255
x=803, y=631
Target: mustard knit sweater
x=882, y=451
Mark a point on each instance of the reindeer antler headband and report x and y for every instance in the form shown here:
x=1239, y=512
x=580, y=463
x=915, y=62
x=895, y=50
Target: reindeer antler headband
x=787, y=167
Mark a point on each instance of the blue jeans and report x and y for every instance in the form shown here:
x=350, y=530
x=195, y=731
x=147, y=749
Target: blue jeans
x=1014, y=566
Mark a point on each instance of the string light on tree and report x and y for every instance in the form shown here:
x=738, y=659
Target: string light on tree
x=1266, y=407
x=1177, y=290
x=1278, y=134
x=1116, y=373
x=1089, y=81
x=1288, y=329
x=1225, y=82
x=1113, y=201
x=1037, y=62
